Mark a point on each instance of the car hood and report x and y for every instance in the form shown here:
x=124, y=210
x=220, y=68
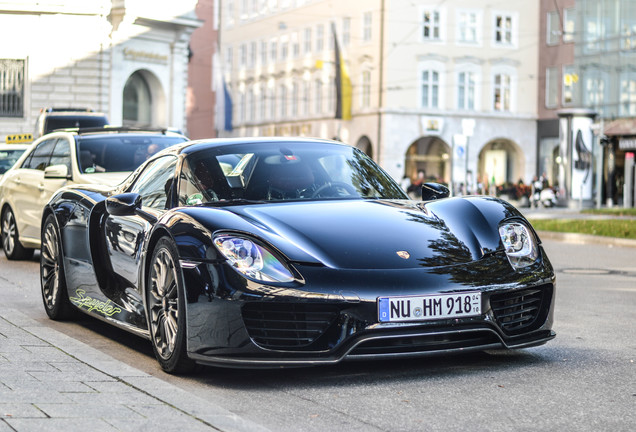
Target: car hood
x=108, y=179
x=375, y=234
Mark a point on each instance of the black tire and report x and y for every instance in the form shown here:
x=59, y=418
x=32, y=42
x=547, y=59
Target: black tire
x=11, y=245
x=52, y=279
x=166, y=309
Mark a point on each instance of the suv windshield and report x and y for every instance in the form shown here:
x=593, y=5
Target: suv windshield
x=285, y=171
x=116, y=153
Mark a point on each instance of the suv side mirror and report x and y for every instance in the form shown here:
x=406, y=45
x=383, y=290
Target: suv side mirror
x=56, y=172
x=433, y=191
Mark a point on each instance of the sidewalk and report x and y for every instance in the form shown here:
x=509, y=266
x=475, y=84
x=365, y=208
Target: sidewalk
x=568, y=213
x=51, y=382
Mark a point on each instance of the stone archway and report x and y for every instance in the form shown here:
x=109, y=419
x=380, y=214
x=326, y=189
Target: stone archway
x=144, y=100
x=364, y=144
x=501, y=159
x=430, y=155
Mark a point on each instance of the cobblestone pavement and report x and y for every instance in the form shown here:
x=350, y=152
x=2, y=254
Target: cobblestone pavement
x=51, y=382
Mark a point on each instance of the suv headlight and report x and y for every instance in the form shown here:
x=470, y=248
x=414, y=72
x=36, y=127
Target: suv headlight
x=251, y=259
x=519, y=244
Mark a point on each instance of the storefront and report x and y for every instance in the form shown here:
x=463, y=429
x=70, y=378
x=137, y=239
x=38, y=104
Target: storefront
x=618, y=170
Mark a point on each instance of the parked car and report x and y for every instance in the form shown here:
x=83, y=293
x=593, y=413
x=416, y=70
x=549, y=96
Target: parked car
x=103, y=156
x=292, y=252
x=51, y=119
x=11, y=150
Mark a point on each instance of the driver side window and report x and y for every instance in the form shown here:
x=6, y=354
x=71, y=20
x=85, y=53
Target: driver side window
x=154, y=185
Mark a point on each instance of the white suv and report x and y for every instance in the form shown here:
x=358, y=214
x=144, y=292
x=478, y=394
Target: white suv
x=97, y=155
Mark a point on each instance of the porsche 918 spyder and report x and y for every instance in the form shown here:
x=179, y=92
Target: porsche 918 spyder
x=263, y=252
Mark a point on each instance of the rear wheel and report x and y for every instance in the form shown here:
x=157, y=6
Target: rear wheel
x=52, y=279
x=166, y=309
x=11, y=245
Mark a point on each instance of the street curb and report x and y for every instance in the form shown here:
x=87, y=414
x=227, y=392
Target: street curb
x=587, y=239
x=206, y=412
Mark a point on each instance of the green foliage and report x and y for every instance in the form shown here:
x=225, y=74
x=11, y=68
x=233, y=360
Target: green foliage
x=621, y=228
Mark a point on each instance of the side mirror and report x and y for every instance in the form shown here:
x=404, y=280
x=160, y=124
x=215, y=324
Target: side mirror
x=433, y=191
x=56, y=172
x=125, y=204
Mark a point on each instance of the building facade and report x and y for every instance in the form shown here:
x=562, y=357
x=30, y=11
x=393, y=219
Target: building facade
x=116, y=56
x=446, y=88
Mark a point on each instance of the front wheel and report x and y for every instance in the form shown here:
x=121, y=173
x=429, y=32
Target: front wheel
x=52, y=280
x=11, y=245
x=166, y=309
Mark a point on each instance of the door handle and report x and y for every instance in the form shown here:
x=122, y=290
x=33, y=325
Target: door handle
x=41, y=187
x=17, y=181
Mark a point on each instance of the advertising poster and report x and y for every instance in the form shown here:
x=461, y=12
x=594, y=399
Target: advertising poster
x=582, y=139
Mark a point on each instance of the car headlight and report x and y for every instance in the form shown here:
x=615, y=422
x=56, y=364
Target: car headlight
x=519, y=243
x=252, y=259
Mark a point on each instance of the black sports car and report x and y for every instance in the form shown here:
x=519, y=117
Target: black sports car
x=269, y=252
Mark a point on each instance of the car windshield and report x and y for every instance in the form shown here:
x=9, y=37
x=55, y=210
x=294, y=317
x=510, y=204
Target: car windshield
x=119, y=152
x=280, y=172
x=8, y=158
x=75, y=121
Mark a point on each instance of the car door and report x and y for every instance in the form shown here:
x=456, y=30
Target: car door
x=30, y=191
x=125, y=235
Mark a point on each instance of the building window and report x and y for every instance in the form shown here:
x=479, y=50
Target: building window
x=306, y=98
x=502, y=92
x=503, y=29
x=320, y=38
x=242, y=55
x=346, y=31
x=430, y=89
x=628, y=27
x=137, y=101
x=365, y=99
x=294, y=100
x=295, y=43
x=570, y=78
x=367, y=21
x=307, y=41
x=273, y=50
x=628, y=94
x=283, y=101
x=242, y=107
x=263, y=53
x=595, y=88
x=569, y=20
x=552, y=28
x=284, y=48
x=551, y=87
x=229, y=59
x=466, y=90
x=262, y=99
x=431, y=24
x=251, y=105
x=271, y=96
x=318, y=97
x=11, y=88
x=468, y=27
x=251, y=62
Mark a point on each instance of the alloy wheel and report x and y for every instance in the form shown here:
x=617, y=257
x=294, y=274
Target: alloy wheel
x=50, y=266
x=163, y=304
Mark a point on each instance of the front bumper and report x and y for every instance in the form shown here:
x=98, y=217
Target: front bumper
x=233, y=322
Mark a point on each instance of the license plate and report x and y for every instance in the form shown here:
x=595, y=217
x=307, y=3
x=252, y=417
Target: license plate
x=429, y=307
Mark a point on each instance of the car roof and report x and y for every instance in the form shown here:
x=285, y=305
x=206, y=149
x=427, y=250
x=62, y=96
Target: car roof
x=119, y=130
x=5, y=146
x=197, y=145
